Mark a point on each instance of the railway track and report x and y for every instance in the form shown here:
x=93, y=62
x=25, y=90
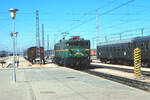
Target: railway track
x=143, y=84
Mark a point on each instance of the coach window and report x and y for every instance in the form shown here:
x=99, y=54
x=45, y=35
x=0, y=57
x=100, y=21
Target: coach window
x=107, y=49
x=118, y=49
x=129, y=46
x=111, y=48
x=135, y=45
x=146, y=44
x=114, y=49
x=104, y=48
x=101, y=49
x=87, y=43
x=142, y=46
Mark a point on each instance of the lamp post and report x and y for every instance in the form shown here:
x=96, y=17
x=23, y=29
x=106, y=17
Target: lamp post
x=14, y=35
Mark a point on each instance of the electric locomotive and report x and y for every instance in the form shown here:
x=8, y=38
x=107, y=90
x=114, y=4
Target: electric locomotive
x=122, y=51
x=73, y=52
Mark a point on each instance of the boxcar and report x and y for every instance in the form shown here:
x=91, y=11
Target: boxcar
x=30, y=54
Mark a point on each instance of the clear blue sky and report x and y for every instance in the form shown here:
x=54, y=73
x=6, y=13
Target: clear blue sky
x=67, y=16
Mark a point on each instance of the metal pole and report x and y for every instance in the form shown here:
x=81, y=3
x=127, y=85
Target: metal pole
x=14, y=35
x=106, y=39
x=142, y=30
x=16, y=52
x=93, y=47
x=93, y=43
x=47, y=45
x=97, y=26
x=14, y=58
x=120, y=36
x=38, y=55
x=43, y=43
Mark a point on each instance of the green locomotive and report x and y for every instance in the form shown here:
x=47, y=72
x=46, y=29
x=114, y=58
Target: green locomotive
x=73, y=52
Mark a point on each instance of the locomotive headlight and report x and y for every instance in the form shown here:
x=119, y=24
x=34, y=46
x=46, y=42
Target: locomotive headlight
x=99, y=53
x=67, y=44
x=125, y=53
x=71, y=50
x=87, y=50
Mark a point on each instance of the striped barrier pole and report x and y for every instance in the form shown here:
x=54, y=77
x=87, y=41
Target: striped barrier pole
x=137, y=63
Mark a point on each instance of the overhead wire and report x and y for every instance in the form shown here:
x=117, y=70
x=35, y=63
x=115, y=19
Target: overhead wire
x=87, y=13
x=104, y=13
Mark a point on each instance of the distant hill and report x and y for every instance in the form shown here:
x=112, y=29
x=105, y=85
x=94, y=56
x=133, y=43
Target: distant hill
x=3, y=53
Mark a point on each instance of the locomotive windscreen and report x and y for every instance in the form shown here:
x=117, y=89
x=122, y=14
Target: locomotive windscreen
x=78, y=43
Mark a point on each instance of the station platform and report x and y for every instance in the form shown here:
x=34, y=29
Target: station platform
x=60, y=83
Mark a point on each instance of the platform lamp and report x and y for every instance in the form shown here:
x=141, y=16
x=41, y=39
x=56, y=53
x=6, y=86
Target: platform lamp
x=14, y=35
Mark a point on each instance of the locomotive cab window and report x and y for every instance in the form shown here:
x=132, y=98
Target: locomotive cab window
x=78, y=44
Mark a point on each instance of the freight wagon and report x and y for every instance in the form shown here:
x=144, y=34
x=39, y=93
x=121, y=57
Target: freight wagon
x=30, y=54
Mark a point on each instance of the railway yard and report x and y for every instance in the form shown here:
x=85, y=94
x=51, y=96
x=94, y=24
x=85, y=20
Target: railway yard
x=75, y=50
x=50, y=81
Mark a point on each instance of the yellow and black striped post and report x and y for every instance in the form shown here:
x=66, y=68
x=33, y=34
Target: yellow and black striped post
x=137, y=63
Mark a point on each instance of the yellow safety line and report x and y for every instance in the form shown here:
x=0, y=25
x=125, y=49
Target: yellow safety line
x=36, y=65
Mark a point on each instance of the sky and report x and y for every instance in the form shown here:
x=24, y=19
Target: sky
x=77, y=17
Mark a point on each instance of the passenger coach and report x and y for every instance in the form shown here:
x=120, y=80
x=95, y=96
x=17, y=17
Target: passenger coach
x=122, y=51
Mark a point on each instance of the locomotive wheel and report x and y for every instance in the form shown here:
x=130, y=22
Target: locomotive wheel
x=60, y=63
x=64, y=63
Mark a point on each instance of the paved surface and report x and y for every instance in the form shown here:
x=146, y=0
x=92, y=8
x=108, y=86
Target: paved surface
x=59, y=83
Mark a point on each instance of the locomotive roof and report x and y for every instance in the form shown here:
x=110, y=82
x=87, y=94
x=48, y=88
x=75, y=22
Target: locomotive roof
x=65, y=41
x=125, y=41
x=76, y=40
